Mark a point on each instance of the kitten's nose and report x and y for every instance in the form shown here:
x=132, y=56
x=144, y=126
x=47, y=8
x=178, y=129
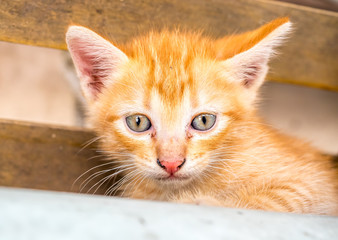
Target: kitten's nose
x=172, y=166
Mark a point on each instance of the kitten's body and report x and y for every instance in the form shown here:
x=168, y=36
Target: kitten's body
x=172, y=78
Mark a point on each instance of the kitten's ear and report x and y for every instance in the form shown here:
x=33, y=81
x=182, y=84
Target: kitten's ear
x=248, y=54
x=96, y=60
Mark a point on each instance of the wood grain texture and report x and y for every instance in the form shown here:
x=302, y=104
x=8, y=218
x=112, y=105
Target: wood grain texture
x=309, y=57
x=43, y=156
x=331, y=5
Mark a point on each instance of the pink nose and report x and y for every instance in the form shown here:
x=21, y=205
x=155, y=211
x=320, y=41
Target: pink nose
x=172, y=166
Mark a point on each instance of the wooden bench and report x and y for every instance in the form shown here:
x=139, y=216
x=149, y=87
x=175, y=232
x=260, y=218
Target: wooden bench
x=49, y=157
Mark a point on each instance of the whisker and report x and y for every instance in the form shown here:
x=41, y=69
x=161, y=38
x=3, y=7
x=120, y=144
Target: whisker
x=131, y=177
x=116, y=184
x=136, y=178
x=143, y=177
x=103, y=180
x=101, y=165
x=85, y=183
x=89, y=142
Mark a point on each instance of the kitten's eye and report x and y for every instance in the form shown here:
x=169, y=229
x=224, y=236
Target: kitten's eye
x=203, y=122
x=138, y=123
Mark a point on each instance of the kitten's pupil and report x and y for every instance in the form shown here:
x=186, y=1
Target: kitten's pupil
x=204, y=120
x=138, y=121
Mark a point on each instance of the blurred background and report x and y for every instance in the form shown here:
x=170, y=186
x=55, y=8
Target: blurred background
x=39, y=85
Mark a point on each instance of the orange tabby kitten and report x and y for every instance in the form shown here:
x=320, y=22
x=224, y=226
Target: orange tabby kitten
x=176, y=110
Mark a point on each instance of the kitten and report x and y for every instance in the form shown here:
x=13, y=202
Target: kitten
x=177, y=112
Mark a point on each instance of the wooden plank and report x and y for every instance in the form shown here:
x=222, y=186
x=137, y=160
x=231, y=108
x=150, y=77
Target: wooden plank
x=331, y=5
x=43, y=156
x=309, y=58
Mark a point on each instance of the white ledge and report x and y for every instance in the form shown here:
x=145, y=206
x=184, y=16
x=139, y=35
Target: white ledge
x=43, y=215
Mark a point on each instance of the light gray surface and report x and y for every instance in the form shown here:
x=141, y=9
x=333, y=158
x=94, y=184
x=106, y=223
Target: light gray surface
x=31, y=214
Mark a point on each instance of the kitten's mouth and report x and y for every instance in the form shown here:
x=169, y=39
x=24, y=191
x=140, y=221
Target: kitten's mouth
x=172, y=178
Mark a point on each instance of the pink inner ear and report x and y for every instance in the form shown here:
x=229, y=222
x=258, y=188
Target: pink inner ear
x=250, y=74
x=93, y=69
x=96, y=60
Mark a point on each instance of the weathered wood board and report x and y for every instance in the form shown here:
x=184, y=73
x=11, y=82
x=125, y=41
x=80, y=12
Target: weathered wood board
x=331, y=5
x=309, y=57
x=43, y=156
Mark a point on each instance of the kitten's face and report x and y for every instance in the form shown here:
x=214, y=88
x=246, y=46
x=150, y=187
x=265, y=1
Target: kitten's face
x=166, y=102
x=163, y=112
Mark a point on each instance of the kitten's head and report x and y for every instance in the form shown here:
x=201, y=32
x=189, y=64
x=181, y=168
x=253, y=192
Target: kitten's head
x=165, y=102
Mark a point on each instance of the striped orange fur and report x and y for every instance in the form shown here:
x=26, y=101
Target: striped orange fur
x=171, y=77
